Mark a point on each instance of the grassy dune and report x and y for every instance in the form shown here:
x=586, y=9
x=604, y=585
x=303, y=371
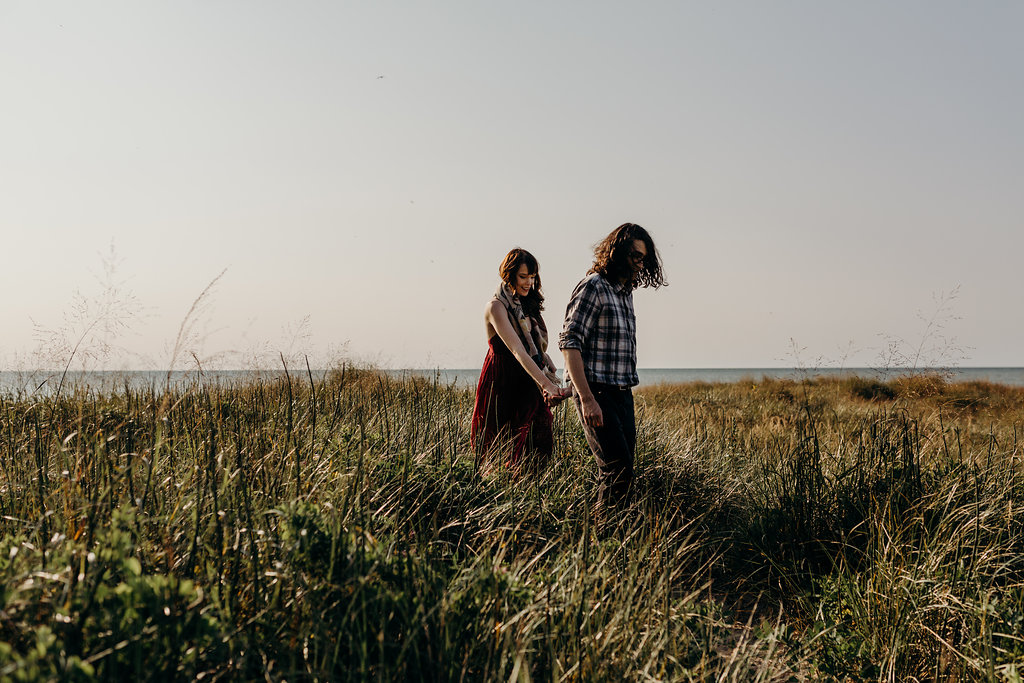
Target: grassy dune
x=339, y=529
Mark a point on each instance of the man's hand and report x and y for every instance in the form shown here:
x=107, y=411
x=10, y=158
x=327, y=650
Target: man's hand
x=592, y=415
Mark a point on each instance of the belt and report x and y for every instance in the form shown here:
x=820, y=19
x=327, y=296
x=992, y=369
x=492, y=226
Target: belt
x=610, y=387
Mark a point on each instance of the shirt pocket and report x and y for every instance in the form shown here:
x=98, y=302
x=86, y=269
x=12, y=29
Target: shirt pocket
x=610, y=324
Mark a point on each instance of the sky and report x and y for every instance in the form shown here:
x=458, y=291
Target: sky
x=225, y=181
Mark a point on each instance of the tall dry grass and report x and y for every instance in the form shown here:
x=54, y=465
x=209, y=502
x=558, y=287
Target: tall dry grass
x=339, y=528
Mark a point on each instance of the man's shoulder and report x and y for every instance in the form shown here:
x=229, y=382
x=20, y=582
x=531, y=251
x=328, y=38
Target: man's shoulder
x=590, y=289
x=594, y=282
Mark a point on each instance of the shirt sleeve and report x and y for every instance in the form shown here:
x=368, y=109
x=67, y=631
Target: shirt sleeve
x=580, y=316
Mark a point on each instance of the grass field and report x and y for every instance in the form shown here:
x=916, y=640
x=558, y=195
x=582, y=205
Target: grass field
x=338, y=528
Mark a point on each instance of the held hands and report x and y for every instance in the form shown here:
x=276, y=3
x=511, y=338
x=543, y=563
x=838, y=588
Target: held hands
x=553, y=395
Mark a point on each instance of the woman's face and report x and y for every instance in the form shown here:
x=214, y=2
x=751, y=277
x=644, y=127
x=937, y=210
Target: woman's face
x=523, y=281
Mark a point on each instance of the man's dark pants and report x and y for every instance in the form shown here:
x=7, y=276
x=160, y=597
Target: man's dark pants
x=614, y=442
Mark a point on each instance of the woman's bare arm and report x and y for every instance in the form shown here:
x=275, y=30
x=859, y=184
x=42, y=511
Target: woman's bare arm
x=498, y=318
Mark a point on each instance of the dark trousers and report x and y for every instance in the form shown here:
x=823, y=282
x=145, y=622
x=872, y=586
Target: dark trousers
x=613, y=443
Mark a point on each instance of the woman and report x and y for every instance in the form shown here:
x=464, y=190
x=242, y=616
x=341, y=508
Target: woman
x=518, y=379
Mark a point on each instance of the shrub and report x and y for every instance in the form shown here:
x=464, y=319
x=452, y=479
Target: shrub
x=870, y=389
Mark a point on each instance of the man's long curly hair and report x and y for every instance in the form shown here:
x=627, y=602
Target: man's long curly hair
x=611, y=258
x=533, y=303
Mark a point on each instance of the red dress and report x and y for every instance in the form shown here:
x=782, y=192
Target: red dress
x=510, y=417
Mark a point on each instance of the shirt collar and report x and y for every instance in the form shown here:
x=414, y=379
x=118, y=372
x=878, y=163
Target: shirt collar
x=618, y=288
x=621, y=289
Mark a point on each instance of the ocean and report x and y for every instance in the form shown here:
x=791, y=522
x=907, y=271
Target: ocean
x=651, y=376
x=42, y=383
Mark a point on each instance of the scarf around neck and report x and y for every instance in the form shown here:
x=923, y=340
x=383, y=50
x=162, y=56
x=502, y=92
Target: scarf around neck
x=531, y=331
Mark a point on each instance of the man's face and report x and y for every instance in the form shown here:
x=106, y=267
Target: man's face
x=637, y=257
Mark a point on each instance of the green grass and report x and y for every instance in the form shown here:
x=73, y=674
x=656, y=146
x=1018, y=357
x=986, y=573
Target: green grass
x=340, y=529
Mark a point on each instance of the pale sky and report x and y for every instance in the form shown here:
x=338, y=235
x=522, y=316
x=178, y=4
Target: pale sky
x=813, y=173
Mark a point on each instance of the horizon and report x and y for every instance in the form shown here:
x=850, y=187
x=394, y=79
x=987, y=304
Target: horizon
x=297, y=370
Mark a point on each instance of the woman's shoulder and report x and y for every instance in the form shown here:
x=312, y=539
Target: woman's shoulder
x=494, y=309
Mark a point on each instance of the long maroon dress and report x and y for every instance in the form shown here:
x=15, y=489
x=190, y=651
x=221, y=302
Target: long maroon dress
x=510, y=419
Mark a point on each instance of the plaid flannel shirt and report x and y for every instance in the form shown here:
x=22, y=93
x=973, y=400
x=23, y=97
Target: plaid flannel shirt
x=599, y=321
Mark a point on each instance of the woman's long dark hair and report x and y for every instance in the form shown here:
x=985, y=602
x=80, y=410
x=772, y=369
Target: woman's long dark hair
x=533, y=303
x=611, y=257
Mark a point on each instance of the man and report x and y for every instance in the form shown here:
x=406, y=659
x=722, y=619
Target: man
x=598, y=341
